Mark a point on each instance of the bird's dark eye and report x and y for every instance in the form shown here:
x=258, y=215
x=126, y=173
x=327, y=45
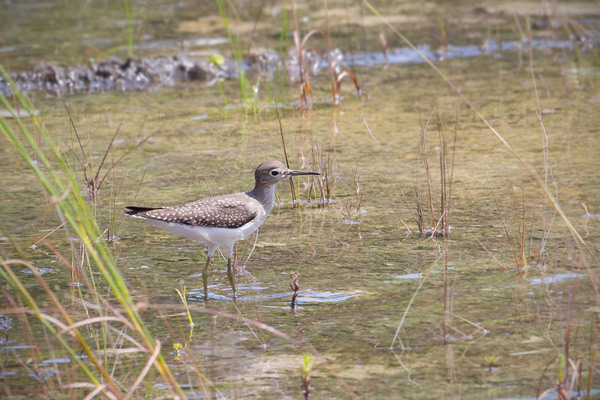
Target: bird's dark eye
x=274, y=172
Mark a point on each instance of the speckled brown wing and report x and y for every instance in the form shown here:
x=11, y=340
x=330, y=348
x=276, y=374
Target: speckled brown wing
x=230, y=211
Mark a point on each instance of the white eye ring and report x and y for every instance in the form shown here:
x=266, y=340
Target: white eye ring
x=274, y=172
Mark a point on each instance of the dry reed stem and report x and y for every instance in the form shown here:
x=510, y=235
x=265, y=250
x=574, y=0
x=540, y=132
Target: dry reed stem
x=64, y=314
x=47, y=235
x=146, y=369
x=285, y=153
x=492, y=255
x=423, y=148
x=93, y=320
x=79, y=272
x=517, y=264
x=412, y=299
x=96, y=391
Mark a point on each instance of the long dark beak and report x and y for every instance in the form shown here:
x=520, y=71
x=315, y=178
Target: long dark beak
x=295, y=172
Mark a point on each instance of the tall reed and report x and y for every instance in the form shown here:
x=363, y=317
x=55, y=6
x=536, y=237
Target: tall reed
x=56, y=175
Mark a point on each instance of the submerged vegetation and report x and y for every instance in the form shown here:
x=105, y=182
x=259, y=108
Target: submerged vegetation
x=479, y=281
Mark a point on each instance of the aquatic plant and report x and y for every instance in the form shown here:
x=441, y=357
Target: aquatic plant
x=352, y=208
x=182, y=296
x=326, y=185
x=295, y=288
x=491, y=362
x=517, y=240
x=438, y=222
x=307, y=364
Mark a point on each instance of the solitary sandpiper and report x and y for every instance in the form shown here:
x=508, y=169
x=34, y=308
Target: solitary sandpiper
x=221, y=221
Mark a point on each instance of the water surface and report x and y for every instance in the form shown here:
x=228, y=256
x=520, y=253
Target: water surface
x=356, y=280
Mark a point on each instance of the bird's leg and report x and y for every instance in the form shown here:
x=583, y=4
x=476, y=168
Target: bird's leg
x=205, y=277
x=230, y=275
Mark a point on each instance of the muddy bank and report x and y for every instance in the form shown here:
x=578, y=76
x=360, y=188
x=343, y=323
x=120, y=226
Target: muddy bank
x=146, y=73
x=112, y=74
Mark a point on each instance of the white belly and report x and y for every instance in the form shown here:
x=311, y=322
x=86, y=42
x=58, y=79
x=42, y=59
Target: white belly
x=213, y=237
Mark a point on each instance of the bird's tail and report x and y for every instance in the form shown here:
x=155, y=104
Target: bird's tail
x=133, y=210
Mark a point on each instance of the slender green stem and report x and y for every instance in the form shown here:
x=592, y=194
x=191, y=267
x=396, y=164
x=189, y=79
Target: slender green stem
x=129, y=29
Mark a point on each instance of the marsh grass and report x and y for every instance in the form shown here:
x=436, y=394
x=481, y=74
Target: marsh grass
x=536, y=180
x=437, y=223
x=568, y=370
x=351, y=206
x=338, y=71
x=93, y=175
x=58, y=179
x=310, y=156
x=516, y=239
x=249, y=93
x=325, y=185
x=182, y=295
x=568, y=374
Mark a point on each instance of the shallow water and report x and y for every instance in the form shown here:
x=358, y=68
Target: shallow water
x=356, y=280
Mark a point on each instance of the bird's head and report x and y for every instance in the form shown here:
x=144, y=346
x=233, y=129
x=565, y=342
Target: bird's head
x=271, y=172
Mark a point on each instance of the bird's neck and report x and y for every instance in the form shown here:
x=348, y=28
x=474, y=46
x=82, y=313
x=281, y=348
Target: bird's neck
x=265, y=196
